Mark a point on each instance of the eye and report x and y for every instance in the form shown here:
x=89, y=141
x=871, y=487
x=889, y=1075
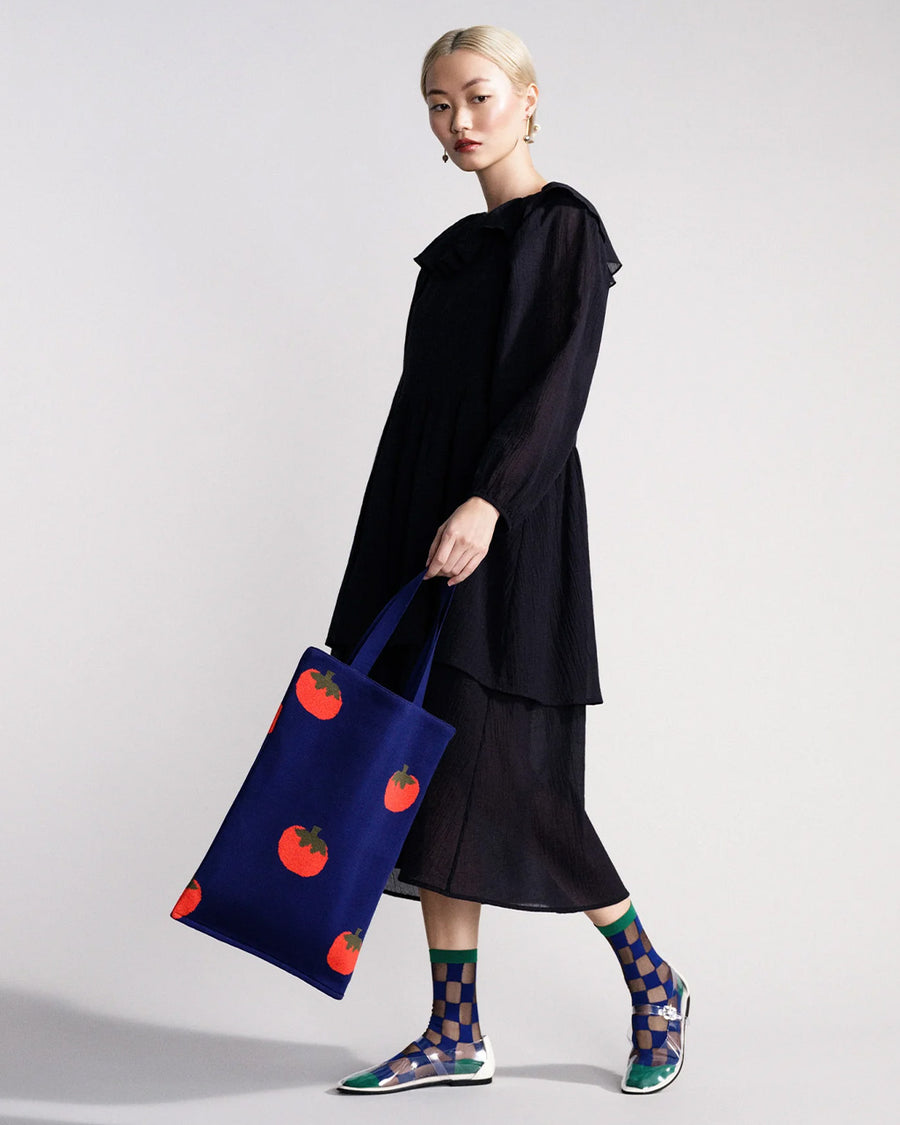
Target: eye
x=443, y=105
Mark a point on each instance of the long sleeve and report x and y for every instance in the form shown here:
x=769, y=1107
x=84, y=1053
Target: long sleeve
x=560, y=274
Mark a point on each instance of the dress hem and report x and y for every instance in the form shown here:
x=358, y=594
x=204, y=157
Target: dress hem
x=503, y=905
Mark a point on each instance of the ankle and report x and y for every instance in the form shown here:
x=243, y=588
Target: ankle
x=454, y=1012
x=649, y=978
x=448, y=1044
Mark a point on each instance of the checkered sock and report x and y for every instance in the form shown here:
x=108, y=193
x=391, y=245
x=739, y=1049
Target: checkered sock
x=648, y=977
x=454, y=1010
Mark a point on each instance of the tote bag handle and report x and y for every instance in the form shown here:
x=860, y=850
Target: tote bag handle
x=379, y=633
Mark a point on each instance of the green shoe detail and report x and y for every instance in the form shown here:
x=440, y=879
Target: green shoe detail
x=362, y=1081
x=467, y=1066
x=646, y=1077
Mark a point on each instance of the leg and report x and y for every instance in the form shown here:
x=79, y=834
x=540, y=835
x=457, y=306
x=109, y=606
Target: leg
x=603, y=915
x=659, y=996
x=452, y=1049
x=450, y=923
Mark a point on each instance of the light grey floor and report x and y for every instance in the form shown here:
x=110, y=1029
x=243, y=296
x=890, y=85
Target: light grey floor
x=63, y=1063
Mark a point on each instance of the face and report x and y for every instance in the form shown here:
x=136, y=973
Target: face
x=471, y=97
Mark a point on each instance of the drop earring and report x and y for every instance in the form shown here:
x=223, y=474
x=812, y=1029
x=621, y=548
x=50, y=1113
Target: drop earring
x=445, y=157
x=531, y=127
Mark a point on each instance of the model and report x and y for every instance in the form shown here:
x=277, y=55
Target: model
x=477, y=477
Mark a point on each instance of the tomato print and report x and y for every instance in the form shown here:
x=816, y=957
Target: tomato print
x=190, y=897
x=344, y=952
x=401, y=791
x=318, y=693
x=303, y=851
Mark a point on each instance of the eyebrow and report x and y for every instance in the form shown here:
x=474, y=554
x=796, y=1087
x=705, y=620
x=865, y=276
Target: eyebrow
x=466, y=85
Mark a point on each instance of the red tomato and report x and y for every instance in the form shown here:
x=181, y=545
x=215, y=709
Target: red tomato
x=344, y=952
x=318, y=693
x=401, y=791
x=302, y=851
x=190, y=897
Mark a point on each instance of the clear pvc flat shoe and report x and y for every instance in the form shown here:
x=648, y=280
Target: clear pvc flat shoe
x=424, y=1064
x=639, y=1078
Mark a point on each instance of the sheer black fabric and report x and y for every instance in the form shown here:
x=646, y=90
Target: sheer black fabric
x=503, y=820
x=501, y=345
x=549, y=339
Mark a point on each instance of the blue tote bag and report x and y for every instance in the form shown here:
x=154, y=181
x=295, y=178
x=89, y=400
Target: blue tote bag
x=298, y=866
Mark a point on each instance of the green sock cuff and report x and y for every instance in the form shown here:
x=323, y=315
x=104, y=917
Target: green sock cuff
x=620, y=923
x=453, y=956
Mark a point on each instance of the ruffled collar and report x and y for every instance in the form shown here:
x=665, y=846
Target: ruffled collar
x=465, y=239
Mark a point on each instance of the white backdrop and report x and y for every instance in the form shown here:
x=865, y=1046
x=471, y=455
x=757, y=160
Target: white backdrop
x=209, y=215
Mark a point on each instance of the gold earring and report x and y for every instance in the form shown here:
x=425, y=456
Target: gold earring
x=532, y=127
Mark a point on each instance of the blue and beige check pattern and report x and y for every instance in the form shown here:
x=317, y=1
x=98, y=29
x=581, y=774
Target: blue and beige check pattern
x=650, y=980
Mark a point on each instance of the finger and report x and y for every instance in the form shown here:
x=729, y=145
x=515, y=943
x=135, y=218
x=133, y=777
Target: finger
x=434, y=546
x=471, y=564
x=455, y=562
x=440, y=558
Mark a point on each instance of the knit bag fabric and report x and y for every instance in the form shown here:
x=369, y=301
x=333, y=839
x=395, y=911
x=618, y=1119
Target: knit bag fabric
x=297, y=868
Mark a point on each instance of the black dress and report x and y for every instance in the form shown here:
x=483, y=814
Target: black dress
x=501, y=345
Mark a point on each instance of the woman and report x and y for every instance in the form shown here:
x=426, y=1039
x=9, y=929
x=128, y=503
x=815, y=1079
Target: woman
x=479, y=444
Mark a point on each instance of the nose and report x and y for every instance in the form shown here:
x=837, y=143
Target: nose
x=461, y=120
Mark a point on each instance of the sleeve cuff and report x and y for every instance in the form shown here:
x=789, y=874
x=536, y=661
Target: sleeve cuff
x=504, y=515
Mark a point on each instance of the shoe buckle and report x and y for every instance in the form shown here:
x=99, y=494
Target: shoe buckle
x=670, y=1012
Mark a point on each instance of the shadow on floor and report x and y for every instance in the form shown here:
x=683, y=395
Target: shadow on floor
x=40, y=1121
x=579, y=1074
x=54, y=1051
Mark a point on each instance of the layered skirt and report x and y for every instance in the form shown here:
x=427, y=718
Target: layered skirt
x=503, y=821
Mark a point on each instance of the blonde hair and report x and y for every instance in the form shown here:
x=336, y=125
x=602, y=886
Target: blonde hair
x=501, y=46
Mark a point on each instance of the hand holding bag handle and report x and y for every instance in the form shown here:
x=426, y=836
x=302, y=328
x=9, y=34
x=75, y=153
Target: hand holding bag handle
x=380, y=631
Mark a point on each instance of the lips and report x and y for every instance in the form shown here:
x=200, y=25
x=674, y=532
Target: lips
x=466, y=144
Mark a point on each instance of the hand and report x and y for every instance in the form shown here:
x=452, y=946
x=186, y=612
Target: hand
x=462, y=540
